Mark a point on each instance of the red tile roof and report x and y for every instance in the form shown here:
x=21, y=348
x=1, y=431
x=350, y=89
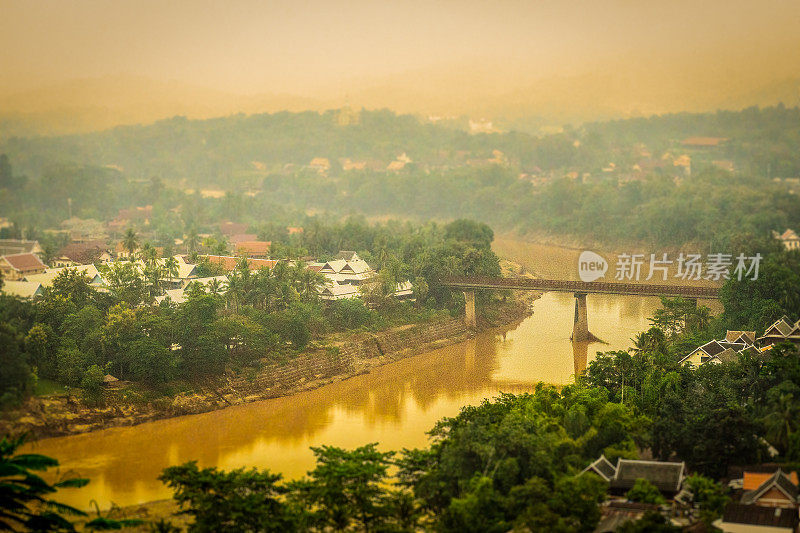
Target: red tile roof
x=83, y=252
x=228, y=262
x=24, y=262
x=753, y=480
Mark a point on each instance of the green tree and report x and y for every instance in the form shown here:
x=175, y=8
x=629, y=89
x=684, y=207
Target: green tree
x=16, y=379
x=644, y=492
x=130, y=241
x=712, y=497
x=475, y=233
x=480, y=510
x=346, y=488
x=239, y=500
x=92, y=385
x=783, y=415
x=126, y=283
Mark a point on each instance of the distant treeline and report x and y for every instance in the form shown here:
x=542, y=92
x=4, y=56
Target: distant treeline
x=262, y=162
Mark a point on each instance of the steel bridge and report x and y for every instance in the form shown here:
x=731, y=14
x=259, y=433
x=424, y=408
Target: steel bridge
x=580, y=329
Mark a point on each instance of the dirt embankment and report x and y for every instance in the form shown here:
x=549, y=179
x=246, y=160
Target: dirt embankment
x=66, y=415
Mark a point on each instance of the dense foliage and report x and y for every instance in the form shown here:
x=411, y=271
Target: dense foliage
x=75, y=334
x=261, y=161
x=513, y=462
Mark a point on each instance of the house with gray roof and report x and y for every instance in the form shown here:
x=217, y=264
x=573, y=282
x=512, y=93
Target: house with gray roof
x=738, y=518
x=769, y=507
x=741, y=337
x=782, y=330
x=602, y=467
x=735, y=344
x=777, y=491
x=18, y=246
x=703, y=354
x=667, y=477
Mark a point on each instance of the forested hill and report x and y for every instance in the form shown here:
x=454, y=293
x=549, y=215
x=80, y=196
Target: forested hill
x=213, y=151
x=638, y=180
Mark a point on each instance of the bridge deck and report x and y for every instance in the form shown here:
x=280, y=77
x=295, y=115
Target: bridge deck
x=599, y=287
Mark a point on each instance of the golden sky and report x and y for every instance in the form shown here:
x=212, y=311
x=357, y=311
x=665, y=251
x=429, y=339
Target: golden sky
x=310, y=46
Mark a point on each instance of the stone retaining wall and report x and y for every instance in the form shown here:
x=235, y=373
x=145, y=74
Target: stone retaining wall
x=47, y=417
x=349, y=360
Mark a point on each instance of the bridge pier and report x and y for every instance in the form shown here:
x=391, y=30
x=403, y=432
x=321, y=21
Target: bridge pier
x=470, y=316
x=580, y=326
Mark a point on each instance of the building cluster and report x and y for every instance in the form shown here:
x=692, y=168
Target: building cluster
x=738, y=343
x=789, y=239
x=642, y=163
x=25, y=274
x=765, y=497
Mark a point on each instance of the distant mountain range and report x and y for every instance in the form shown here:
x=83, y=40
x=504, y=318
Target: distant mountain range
x=100, y=103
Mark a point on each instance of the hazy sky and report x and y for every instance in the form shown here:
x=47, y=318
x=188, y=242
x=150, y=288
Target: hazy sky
x=303, y=46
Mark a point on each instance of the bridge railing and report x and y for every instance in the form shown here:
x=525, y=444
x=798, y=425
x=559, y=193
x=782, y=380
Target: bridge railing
x=488, y=282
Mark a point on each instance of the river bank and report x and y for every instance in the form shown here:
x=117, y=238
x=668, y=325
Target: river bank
x=52, y=416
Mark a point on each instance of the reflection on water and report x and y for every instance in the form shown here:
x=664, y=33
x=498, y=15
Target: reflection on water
x=394, y=405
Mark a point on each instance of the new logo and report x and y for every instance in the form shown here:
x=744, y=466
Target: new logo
x=591, y=266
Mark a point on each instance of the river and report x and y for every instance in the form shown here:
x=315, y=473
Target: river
x=393, y=405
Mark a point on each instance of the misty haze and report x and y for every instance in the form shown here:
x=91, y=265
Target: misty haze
x=400, y=266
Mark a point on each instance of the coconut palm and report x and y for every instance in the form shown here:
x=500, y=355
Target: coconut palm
x=153, y=276
x=24, y=498
x=171, y=267
x=308, y=284
x=281, y=272
x=235, y=294
x=650, y=342
x=148, y=253
x=130, y=241
x=264, y=289
x=215, y=287
x=782, y=420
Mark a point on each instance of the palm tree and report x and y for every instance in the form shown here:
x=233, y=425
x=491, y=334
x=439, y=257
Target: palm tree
x=281, y=271
x=194, y=289
x=308, y=284
x=215, y=287
x=148, y=253
x=782, y=421
x=264, y=288
x=701, y=318
x=24, y=503
x=235, y=293
x=171, y=267
x=130, y=241
x=650, y=342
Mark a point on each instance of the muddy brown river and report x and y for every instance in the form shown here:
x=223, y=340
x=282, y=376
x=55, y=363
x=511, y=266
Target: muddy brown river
x=393, y=405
